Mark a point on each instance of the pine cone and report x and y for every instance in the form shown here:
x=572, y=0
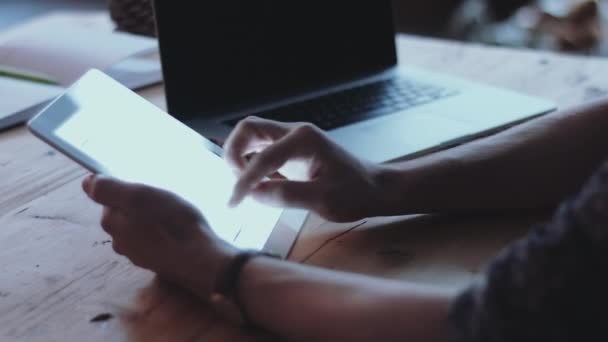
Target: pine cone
x=133, y=16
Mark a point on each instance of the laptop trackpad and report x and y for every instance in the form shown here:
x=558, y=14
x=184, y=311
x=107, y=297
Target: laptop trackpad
x=399, y=135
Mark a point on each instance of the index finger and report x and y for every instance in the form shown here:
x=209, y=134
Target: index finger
x=248, y=136
x=268, y=162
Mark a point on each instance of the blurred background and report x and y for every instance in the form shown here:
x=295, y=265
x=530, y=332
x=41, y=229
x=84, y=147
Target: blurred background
x=574, y=26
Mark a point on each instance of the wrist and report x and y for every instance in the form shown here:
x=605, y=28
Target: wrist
x=388, y=184
x=408, y=188
x=205, y=263
x=227, y=289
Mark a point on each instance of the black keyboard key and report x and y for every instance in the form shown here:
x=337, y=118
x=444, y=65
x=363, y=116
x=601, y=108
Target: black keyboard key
x=357, y=104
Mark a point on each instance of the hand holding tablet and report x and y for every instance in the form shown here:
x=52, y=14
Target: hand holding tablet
x=110, y=130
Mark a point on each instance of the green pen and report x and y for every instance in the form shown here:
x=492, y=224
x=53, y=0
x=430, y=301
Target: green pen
x=4, y=72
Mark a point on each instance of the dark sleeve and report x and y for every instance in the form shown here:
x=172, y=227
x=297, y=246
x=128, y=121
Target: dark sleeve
x=551, y=285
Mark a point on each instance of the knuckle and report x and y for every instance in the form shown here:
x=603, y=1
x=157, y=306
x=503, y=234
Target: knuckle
x=307, y=130
x=117, y=247
x=242, y=125
x=253, y=118
x=247, y=127
x=248, y=123
x=311, y=134
x=106, y=222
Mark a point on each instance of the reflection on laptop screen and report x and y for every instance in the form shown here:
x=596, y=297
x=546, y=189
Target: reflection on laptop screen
x=218, y=54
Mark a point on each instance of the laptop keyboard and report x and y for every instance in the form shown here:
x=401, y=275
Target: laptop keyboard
x=356, y=104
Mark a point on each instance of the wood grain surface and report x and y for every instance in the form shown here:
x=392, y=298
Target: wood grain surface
x=61, y=281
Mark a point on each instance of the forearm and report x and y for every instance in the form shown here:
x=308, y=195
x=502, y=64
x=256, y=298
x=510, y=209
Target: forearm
x=303, y=303
x=529, y=166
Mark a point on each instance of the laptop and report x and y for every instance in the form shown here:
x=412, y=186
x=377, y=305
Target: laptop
x=331, y=63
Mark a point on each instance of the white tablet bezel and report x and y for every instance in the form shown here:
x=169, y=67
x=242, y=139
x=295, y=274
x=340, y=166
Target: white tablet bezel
x=45, y=123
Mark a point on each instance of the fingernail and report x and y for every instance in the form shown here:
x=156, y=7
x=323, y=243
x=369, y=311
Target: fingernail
x=86, y=182
x=234, y=200
x=237, y=197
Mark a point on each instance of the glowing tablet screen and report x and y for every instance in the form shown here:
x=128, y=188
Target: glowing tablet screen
x=135, y=141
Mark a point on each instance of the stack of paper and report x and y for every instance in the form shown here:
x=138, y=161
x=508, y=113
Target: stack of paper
x=61, y=47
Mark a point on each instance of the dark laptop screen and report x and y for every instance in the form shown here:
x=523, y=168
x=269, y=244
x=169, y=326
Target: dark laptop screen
x=224, y=55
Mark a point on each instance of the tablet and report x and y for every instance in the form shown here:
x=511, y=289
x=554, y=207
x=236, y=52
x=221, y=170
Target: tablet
x=110, y=130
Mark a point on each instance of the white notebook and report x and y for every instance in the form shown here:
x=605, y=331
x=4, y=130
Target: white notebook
x=61, y=47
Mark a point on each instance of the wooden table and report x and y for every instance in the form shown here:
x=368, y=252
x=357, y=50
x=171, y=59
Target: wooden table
x=58, y=270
